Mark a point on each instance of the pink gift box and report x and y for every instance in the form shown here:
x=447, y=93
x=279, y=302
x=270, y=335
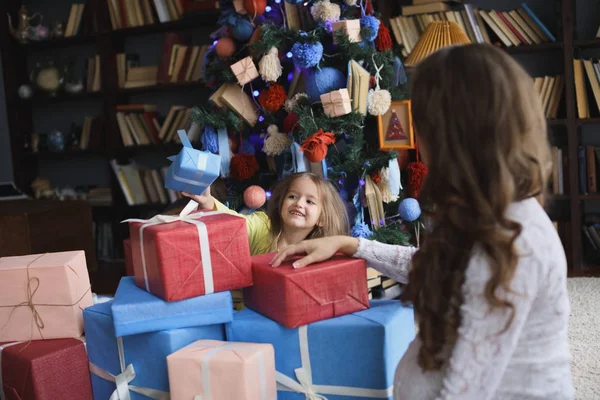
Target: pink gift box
x=350, y=26
x=245, y=70
x=42, y=296
x=215, y=370
x=336, y=103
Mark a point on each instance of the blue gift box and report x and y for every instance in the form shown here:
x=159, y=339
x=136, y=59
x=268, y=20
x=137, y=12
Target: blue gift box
x=139, y=362
x=134, y=310
x=192, y=170
x=352, y=357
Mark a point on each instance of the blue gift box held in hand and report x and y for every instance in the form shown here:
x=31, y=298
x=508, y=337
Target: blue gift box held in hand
x=192, y=170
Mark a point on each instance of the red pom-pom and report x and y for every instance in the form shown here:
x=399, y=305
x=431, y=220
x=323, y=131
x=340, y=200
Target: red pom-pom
x=272, y=98
x=376, y=177
x=417, y=171
x=315, y=147
x=290, y=122
x=243, y=166
x=225, y=47
x=369, y=8
x=383, y=41
x=255, y=7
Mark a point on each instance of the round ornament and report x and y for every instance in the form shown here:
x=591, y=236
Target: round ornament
x=254, y=197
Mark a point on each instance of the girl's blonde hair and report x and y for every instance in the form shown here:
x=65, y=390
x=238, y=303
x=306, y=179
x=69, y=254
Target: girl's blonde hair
x=333, y=218
x=480, y=121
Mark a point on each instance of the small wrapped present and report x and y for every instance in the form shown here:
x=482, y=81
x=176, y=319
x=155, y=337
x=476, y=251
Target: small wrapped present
x=136, y=365
x=295, y=297
x=232, y=96
x=336, y=103
x=192, y=170
x=350, y=26
x=44, y=370
x=128, y=257
x=353, y=356
x=176, y=257
x=42, y=295
x=214, y=370
x=136, y=311
x=245, y=70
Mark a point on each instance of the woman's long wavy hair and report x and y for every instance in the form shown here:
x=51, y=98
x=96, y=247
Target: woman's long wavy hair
x=483, y=133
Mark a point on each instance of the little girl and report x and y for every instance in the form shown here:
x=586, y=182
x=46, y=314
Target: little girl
x=302, y=206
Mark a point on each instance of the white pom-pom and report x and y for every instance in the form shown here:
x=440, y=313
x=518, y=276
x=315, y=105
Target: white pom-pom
x=325, y=11
x=276, y=142
x=379, y=101
x=351, y=3
x=270, y=66
x=291, y=103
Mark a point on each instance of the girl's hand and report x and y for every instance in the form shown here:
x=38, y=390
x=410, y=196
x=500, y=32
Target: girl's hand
x=205, y=200
x=317, y=250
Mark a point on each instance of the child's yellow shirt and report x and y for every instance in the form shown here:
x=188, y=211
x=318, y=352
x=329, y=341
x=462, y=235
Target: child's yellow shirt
x=258, y=225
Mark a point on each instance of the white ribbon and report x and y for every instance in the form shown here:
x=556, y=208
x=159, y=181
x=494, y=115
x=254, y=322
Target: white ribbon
x=184, y=216
x=2, y=347
x=123, y=379
x=316, y=392
x=206, y=364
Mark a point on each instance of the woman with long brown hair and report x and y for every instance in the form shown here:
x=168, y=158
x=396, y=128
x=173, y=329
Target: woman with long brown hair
x=488, y=284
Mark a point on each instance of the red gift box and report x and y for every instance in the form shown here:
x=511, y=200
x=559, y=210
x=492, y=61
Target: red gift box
x=296, y=297
x=173, y=266
x=128, y=257
x=45, y=370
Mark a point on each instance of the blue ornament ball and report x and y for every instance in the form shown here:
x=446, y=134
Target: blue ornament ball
x=322, y=81
x=242, y=30
x=409, y=209
x=294, y=1
x=210, y=140
x=307, y=55
x=369, y=21
x=361, y=230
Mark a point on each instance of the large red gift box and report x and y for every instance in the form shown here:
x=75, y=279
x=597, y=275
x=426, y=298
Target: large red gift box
x=45, y=370
x=296, y=297
x=173, y=266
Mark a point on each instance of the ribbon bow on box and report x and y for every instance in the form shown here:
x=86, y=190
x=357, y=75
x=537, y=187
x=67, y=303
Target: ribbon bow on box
x=336, y=103
x=245, y=70
x=192, y=170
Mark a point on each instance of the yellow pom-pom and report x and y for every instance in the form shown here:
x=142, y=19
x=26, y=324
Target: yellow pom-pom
x=325, y=11
x=270, y=66
x=276, y=142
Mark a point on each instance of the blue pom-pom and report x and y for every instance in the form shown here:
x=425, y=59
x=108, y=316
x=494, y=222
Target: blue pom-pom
x=307, y=55
x=409, y=209
x=369, y=21
x=210, y=140
x=242, y=30
x=361, y=230
x=322, y=81
x=248, y=148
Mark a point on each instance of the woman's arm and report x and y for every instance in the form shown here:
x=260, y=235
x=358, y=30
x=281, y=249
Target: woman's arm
x=391, y=260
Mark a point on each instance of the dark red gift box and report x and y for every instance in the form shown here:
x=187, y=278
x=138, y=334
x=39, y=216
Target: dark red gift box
x=45, y=370
x=128, y=257
x=175, y=269
x=295, y=297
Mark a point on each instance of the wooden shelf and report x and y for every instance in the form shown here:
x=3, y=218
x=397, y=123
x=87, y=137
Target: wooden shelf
x=589, y=197
x=534, y=48
x=559, y=197
x=40, y=98
x=58, y=155
x=149, y=148
x=163, y=87
x=187, y=22
x=557, y=121
x=588, y=121
x=60, y=42
x=587, y=44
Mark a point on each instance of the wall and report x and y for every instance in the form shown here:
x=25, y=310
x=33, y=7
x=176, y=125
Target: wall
x=6, y=172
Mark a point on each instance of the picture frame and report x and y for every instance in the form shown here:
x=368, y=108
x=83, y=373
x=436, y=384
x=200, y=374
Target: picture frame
x=395, y=127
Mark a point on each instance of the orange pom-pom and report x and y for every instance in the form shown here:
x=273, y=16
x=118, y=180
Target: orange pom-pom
x=243, y=166
x=255, y=7
x=272, y=98
x=315, y=146
x=383, y=41
x=254, y=197
x=225, y=48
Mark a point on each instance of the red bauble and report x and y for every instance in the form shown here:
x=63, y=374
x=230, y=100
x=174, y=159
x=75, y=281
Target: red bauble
x=315, y=146
x=243, y=166
x=417, y=172
x=225, y=48
x=290, y=122
x=372, y=82
x=255, y=197
x=272, y=98
x=383, y=41
x=255, y=7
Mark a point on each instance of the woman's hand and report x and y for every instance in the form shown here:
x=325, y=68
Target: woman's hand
x=205, y=200
x=317, y=250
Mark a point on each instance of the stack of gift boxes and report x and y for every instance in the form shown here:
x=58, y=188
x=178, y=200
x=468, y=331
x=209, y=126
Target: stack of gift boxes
x=171, y=333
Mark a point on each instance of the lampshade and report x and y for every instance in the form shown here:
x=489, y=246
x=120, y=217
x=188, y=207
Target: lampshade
x=438, y=34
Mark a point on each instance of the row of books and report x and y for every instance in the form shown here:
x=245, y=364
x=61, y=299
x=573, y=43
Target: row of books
x=510, y=28
x=588, y=160
x=380, y=286
x=105, y=248
x=74, y=20
x=592, y=71
x=131, y=13
x=550, y=89
x=94, y=80
x=557, y=179
x=591, y=233
x=91, y=126
x=142, y=185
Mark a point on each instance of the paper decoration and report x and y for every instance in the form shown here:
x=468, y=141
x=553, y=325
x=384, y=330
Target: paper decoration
x=336, y=103
x=245, y=70
x=350, y=26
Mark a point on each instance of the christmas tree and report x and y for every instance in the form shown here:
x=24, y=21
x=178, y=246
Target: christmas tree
x=298, y=85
